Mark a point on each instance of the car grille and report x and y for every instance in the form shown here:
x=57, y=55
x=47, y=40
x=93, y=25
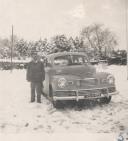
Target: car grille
x=65, y=93
x=87, y=93
x=104, y=91
x=89, y=82
x=92, y=93
x=97, y=91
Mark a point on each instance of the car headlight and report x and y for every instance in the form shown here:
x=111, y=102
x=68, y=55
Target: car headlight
x=111, y=79
x=62, y=82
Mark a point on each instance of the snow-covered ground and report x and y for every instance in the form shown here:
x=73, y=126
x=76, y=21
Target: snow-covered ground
x=17, y=115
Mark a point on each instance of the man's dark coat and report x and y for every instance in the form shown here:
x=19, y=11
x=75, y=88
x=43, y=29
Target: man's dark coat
x=35, y=72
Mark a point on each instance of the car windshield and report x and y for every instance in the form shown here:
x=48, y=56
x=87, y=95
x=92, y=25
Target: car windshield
x=70, y=60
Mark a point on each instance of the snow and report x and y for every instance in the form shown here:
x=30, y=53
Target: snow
x=18, y=115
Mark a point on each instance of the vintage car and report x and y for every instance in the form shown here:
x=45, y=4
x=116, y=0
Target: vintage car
x=69, y=76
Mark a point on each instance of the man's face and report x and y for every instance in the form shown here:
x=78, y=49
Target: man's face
x=35, y=57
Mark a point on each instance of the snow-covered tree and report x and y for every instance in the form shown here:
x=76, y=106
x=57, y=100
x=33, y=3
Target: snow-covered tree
x=21, y=47
x=100, y=39
x=60, y=43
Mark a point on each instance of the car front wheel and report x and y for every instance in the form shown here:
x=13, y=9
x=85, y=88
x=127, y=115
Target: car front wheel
x=58, y=104
x=106, y=100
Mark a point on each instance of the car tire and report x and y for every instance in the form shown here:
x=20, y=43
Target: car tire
x=58, y=104
x=55, y=104
x=105, y=100
x=50, y=91
x=81, y=103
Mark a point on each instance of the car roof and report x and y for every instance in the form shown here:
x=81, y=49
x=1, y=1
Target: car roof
x=52, y=56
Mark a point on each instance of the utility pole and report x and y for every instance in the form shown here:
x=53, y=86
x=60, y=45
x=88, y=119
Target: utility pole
x=12, y=49
x=126, y=22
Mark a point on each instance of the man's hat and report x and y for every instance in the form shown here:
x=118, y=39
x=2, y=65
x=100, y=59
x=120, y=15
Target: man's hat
x=34, y=52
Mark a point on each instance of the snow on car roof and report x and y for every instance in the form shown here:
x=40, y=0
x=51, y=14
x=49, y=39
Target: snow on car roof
x=51, y=56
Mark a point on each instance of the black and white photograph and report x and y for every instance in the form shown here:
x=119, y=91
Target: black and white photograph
x=63, y=70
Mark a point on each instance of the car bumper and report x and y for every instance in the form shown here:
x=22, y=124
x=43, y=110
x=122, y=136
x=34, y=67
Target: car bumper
x=78, y=97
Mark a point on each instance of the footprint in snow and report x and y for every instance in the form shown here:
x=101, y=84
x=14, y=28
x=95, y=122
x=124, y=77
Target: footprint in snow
x=40, y=126
x=27, y=124
x=39, y=116
x=3, y=125
x=122, y=127
x=14, y=115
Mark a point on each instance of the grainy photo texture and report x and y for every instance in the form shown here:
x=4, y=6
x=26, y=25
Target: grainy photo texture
x=64, y=69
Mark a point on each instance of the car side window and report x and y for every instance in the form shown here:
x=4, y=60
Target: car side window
x=69, y=60
x=79, y=60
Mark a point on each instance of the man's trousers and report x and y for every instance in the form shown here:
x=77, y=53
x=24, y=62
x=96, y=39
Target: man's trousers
x=36, y=89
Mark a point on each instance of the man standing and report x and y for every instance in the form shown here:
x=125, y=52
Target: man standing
x=35, y=75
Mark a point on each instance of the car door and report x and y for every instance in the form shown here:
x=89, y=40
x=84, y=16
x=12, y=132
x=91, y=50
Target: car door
x=47, y=78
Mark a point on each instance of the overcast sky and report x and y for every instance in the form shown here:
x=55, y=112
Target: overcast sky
x=34, y=19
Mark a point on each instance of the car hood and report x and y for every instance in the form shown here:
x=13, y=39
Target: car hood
x=80, y=71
